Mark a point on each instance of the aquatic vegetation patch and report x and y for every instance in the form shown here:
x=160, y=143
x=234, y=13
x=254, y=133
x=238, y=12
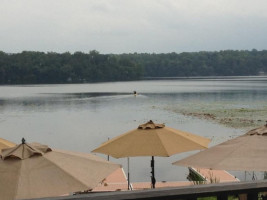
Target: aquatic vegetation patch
x=231, y=114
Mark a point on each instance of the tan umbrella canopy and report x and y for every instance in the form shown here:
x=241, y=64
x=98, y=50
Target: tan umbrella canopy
x=151, y=139
x=5, y=144
x=244, y=153
x=35, y=171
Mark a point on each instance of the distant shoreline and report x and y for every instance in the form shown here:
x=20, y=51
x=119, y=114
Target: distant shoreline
x=204, y=77
x=214, y=78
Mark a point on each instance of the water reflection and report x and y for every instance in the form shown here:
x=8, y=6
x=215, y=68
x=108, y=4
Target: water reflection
x=94, y=98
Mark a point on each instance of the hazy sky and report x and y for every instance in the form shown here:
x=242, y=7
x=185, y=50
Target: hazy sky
x=127, y=26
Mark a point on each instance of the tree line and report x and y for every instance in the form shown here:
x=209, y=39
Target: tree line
x=221, y=63
x=29, y=67
x=38, y=67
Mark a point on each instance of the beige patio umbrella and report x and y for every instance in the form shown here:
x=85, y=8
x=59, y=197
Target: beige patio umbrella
x=5, y=144
x=244, y=153
x=151, y=139
x=35, y=171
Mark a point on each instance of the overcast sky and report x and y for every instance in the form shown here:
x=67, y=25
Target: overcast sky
x=128, y=26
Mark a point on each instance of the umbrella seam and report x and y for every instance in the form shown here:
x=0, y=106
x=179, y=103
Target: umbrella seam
x=183, y=136
x=117, y=138
x=218, y=162
x=65, y=170
x=188, y=138
x=18, y=178
x=70, y=174
x=234, y=150
x=167, y=153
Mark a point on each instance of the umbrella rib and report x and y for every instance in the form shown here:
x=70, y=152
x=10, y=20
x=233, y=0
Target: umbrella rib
x=203, y=146
x=184, y=136
x=81, y=156
x=198, y=144
x=18, y=178
x=70, y=175
x=217, y=163
x=162, y=144
x=110, y=142
x=230, y=153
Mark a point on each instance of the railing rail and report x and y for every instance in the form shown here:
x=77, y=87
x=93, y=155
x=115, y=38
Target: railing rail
x=250, y=189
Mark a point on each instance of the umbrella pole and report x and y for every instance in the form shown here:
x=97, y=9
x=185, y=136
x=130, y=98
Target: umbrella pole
x=153, y=180
x=108, y=155
x=128, y=162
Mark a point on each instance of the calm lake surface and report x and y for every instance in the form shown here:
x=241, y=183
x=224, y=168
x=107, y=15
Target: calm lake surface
x=79, y=117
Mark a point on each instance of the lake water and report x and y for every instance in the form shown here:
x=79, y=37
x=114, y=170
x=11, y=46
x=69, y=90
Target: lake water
x=79, y=117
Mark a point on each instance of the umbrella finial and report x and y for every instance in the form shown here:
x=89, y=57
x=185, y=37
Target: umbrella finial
x=150, y=125
x=23, y=141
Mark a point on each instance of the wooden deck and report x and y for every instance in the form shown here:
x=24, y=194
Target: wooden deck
x=212, y=176
x=117, y=181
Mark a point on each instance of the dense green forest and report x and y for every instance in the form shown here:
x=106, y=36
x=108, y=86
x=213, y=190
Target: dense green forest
x=222, y=63
x=29, y=67
x=38, y=67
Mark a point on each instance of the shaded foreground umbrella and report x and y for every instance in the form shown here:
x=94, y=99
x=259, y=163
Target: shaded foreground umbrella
x=5, y=144
x=34, y=171
x=151, y=139
x=244, y=153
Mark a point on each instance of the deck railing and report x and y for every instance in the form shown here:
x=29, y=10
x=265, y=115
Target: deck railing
x=251, y=190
